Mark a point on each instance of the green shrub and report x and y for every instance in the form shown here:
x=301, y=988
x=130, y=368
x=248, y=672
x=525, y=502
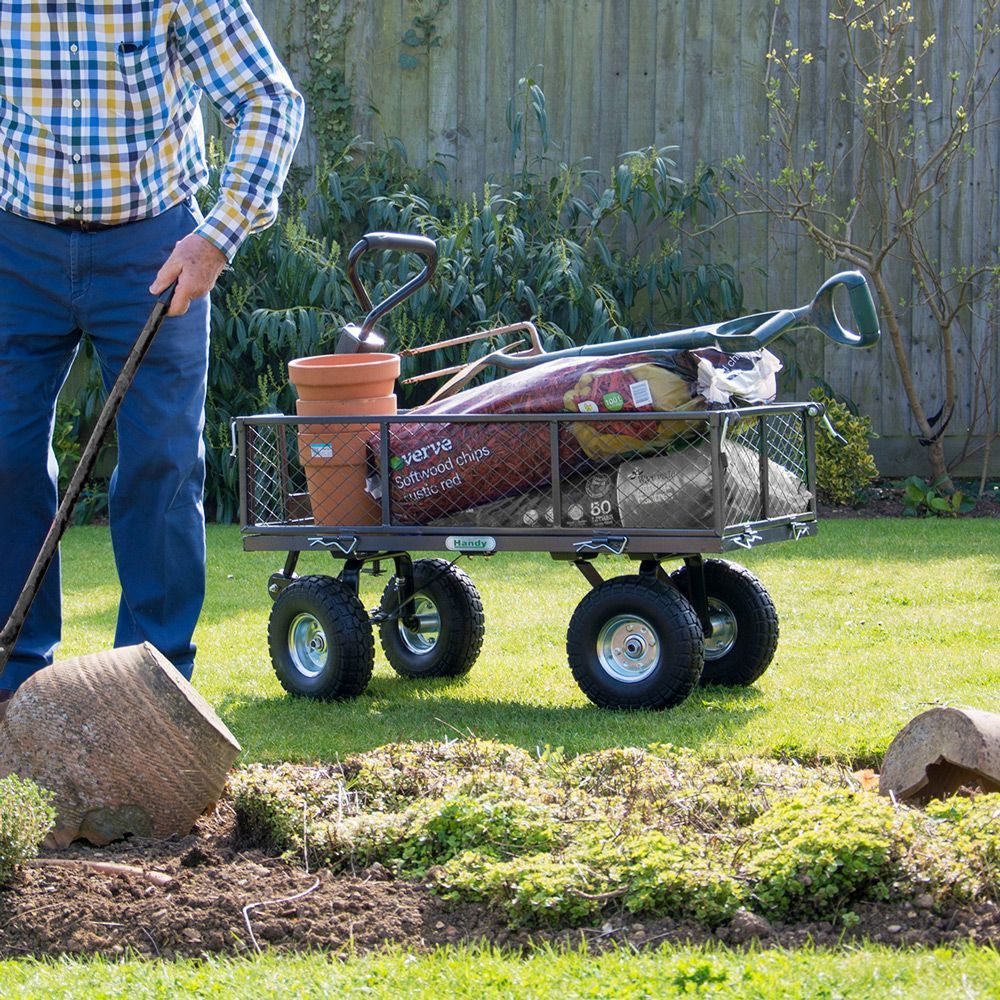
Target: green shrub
x=26, y=817
x=296, y=811
x=923, y=499
x=441, y=829
x=964, y=851
x=649, y=875
x=586, y=261
x=392, y=776
x=821, y=849
x=538, y=890
x=554, y=841
x=665, y=877
x=843, y=468
x=271, y=805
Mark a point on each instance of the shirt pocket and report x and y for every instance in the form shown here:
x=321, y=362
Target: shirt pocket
x=141, y=71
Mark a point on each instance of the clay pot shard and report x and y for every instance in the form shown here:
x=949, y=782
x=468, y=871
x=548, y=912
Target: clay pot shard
x=941, y=751
x=125, y=744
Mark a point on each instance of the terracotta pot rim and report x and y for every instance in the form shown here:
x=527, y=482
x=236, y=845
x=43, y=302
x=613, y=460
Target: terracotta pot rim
x=326, y=363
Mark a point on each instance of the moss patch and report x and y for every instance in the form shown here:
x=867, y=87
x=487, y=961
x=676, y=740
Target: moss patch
x=551, y=840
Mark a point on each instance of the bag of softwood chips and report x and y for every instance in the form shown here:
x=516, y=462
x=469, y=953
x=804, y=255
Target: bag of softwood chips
x=438, y=467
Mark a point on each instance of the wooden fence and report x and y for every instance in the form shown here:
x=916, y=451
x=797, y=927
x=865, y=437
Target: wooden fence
x=623, y=74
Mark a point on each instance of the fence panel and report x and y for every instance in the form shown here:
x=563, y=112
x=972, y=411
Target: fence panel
x=622, y=74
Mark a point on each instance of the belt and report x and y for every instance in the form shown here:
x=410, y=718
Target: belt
x=82, y=226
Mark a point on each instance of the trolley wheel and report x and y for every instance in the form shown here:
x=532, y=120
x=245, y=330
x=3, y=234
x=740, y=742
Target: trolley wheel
x=440, y=632
x=321, y=640
x=634, y=643
x=744, y=623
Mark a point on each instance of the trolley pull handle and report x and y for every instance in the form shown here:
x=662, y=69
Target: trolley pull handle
x=404, y=243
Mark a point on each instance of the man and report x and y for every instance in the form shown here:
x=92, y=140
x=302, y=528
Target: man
x=103, y=151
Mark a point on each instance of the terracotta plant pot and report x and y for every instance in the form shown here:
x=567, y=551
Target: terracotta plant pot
x=371, y=406
x=334, y=455
x=337, y=494
x=124, y=743
x=344, y=376
x=335, y=459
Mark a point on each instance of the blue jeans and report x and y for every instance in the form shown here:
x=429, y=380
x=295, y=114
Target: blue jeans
x=54, y=285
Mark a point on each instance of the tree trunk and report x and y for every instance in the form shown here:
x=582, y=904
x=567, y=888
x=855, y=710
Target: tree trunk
x=935, y=450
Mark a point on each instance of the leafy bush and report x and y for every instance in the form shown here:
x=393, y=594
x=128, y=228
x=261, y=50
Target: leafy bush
x=292, y=813
x=964, y=853
x=26, y=817
x=540, y=890
x=843, y=467
x=921, y=498
x=270, y=805
x=649, y=874
x=587, y=262
x=682, y=880
x=669, y=834
x=392, y=776
x=439, y=830
x=821, y=849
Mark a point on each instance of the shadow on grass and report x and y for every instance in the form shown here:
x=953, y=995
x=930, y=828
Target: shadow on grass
x=393, y=709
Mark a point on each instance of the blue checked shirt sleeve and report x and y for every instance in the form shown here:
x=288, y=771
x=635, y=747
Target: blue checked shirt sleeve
x=227, y=54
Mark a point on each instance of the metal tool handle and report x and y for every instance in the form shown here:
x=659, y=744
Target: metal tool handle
x=88, y=459
x=755, y=332
x=404, y=243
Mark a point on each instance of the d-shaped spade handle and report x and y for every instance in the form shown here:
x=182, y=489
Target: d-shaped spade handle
x=404, y=243
x=823, y=315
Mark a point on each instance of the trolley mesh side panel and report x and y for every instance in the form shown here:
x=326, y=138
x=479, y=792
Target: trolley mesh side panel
x=660, y=476
x=442, y=470
x=611, y=473
x=765, y=468
x=276, y=485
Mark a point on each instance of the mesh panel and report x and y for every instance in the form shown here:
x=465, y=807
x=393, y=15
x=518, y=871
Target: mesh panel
x=667, y=482
x=498, y=473
x=765, y=468
x=274, y=475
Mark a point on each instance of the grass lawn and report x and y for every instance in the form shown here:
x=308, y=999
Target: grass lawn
x=879, y=620
x=462, y=973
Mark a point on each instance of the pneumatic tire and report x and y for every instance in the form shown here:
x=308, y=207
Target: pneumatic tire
x=321, y=640
x=635, y=643
x=440, y=632
x=744, y=623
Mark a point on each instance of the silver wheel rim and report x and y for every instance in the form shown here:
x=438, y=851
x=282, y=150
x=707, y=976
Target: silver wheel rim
x=422, y=639
x=307, y=645
x=628, y=648
x=724, y=630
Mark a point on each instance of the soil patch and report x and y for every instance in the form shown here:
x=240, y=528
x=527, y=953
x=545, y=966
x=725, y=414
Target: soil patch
x=224, y=898
x=884, y=498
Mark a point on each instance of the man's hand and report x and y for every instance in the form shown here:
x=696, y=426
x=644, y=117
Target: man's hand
x=195, y=264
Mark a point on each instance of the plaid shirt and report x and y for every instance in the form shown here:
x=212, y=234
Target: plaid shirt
x=100, y=117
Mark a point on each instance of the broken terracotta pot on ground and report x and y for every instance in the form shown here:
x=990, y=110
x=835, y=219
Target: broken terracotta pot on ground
x=941, y=751
x=125, y=744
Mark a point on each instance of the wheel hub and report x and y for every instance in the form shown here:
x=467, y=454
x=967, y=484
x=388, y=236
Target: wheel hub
x=307, y=645
x=421, y=629
x=628, y=648
x=724, y=630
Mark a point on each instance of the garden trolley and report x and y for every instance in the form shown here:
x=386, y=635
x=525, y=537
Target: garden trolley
x=731, y=480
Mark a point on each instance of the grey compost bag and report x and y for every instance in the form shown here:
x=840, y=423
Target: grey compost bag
x=672, y=491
